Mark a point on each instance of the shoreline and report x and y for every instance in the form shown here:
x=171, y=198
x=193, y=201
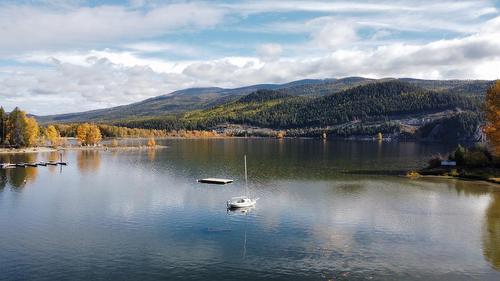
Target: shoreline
x=404, y=173
x=494, y=181
x=51, y=149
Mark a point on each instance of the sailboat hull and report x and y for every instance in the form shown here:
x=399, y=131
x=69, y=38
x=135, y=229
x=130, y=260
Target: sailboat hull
x=241, y=203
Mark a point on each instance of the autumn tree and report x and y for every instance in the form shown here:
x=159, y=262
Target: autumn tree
x=88, y=134
x=380, y=136
x=32, y=131
x=81, y=133
x=17, y=133
x=492, y=128
x=114, y=143
x=151, y=142
x=53, y=135
x=94, y=136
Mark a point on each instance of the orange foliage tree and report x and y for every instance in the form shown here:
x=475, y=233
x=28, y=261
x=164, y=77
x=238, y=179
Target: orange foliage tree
x=492, y=128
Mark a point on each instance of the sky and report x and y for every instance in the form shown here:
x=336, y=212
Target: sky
x=66, y=56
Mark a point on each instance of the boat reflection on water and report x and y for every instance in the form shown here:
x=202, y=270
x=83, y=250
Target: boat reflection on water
x=243, y=211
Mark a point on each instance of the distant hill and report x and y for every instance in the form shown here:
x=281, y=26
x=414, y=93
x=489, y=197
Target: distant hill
x=175, y=102
x=204, y=98
x=431, y=110
x=393, y=107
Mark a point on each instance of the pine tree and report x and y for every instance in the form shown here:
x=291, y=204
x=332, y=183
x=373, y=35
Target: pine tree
x=3, y=125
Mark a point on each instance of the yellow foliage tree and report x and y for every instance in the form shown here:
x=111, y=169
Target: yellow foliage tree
x=32, y=131
x=114, y=143
x=81, y=133
x=492, y=128
x=151, y=142
x=380, y=137
x=88, y=134
x=94, y=135
x=53, y=135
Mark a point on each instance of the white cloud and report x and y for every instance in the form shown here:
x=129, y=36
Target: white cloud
x=79, y=81
x=414, y=16
x=70, y=58
x=269, y=52
x=67, y=87
x=334, y=33
x=33, y=27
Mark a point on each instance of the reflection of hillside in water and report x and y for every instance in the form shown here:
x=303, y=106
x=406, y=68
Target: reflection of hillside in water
x=295, y=158
x=491, y=232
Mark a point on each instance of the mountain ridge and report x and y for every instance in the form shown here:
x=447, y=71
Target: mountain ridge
x=190, y=99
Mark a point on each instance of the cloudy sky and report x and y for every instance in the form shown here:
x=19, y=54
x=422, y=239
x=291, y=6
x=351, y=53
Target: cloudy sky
x=64, y=56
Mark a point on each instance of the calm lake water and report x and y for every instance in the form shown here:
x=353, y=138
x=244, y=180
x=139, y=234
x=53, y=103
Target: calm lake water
x=141, y=215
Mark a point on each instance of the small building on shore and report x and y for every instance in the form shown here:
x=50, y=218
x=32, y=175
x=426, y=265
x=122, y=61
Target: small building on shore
x=448, y=163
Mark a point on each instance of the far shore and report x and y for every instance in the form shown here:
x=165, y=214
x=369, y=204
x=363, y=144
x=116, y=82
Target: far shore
x=423, y=175
x=52, y=149
x=495, y=181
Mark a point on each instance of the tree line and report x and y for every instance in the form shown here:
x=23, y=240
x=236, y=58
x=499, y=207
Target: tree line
x=19, y=130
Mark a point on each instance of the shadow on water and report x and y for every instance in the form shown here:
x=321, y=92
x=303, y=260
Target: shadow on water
x=491, y=232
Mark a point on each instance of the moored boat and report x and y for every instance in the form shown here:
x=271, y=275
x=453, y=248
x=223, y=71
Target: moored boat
x=242, y=201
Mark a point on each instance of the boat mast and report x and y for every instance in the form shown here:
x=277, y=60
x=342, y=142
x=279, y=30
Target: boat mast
x=246, y=176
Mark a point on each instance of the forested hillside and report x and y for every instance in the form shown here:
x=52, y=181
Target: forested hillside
x=182, y=101
x=375, y=103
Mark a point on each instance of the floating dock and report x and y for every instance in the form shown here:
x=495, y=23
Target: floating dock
x=24, y=165
x=215, y=181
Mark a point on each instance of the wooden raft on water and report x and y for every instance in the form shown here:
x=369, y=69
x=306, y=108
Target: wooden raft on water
x=215, y=181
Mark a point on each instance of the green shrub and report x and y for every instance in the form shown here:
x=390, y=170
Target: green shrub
x=460, y=155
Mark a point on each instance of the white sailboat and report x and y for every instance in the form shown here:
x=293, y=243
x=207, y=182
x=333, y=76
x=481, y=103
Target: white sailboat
x=242, y=201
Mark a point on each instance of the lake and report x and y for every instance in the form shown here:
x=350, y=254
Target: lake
x=141, y=215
